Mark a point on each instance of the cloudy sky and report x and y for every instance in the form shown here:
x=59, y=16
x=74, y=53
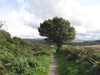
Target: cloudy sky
x=23, y=17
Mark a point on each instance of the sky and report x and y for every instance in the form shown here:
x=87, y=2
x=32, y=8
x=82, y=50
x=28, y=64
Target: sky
x=23, y=17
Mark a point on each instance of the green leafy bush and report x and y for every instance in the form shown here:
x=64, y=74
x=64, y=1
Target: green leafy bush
x=4, y=35
x=72, y=53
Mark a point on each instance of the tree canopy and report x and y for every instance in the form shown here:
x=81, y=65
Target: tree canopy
x=57, y=30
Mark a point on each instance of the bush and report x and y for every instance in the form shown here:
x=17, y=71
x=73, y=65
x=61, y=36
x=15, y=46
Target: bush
x=95, y=66
x=71, y=67
x=81, y=60
x=72, y=53
x=80, y=53
x=19, y=41
x=22, y=65
x=5, y=36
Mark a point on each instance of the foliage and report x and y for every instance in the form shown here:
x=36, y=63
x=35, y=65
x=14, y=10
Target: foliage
x=74, y=68
x=5, y=36
x=20, y=57
x=79, y=60
x=57, y=30
x=19, y=41
x=15, y=61
x=43, y=59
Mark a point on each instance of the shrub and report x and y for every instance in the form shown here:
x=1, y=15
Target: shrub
x=22, y=65
x=19, y=41
x=5, y=36
x=80, y=53
x=72, y=52
x=95, y=67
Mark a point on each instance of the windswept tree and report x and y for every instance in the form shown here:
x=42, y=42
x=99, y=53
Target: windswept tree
x=57, y=30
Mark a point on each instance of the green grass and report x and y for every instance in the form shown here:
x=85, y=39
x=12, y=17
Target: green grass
x=37, y=64
x=72, y=67
x=18, y=60
x=43, y=60
x=20, y=57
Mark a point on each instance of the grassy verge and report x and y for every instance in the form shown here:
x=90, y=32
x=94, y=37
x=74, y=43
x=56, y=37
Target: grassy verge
x=72, y=67
x=17, y=60
x=43, y=60
x=20, y=57
x=37, y=64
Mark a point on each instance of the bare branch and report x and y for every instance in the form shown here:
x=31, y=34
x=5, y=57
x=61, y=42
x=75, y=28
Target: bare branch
x=2, y=23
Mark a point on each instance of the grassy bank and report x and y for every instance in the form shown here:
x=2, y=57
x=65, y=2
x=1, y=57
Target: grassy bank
x=78, y=61
x=43, y=60
x=24, y=59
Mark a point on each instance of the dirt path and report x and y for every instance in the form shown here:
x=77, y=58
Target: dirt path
x=53, y=66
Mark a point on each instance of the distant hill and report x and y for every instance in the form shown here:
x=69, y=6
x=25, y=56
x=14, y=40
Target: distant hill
x=32, y=40
x=98, y=41
x=74, y=42
x=78, y=40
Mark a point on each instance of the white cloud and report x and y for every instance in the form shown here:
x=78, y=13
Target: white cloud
x=83, y=18
x=22, y=24
x=83, y=15
x=20, y=1
x=3, y=0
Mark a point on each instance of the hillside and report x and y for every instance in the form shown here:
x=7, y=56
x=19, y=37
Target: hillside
x=20, y=57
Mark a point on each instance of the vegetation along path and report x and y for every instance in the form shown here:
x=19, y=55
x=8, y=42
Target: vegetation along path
x=53, y=66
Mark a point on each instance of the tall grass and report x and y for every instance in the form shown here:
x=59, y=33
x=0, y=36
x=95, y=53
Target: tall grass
x=79, y=60
x=16, y=59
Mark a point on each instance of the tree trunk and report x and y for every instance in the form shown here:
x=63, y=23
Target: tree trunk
x=58, y=49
